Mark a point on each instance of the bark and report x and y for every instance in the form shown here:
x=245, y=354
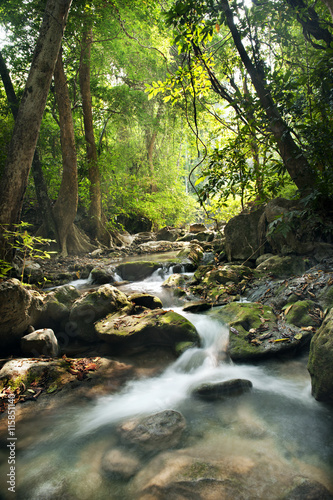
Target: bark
x=27, y=125
x=66, y=205
x=293, y=158
x=95, y=209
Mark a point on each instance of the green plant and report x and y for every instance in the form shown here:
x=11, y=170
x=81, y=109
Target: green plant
x=20, y=240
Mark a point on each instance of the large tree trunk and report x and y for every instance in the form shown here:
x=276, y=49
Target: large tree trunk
x=95, y=209
x=27, y=125
x=293, y=158
x=66, y=205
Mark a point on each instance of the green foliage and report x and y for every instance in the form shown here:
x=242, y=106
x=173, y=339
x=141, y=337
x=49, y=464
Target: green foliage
x=26, y=244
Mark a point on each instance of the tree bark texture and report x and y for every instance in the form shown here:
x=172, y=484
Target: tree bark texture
x=65, y=207
x=293, y=158
x=27, y=125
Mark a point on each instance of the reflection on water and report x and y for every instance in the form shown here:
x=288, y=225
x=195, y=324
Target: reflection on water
x=277, y=428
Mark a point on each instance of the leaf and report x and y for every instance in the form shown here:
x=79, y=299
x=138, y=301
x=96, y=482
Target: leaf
x=281, y=340
x=298, y=336
x=288, y=309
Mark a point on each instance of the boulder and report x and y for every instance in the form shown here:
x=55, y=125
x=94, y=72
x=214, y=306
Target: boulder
x=156, y=432
x=175, y=280
x=19, y=308
x=56, y=308
x=284, y=266
x=197, y=228
x=91, y=307
x=320, y=364
x=256, y=334
x=119, y=464
x=146, y=300
x=194, y=253
x=222, y=390
x=101, y=276
x=308, y=490
x=150, y=328
x=40, y=343
x=137, y=271
x=169, y=234
x=242, y=239
x=303, y=313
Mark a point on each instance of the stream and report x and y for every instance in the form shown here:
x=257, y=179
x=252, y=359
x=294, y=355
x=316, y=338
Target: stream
x=274, y=433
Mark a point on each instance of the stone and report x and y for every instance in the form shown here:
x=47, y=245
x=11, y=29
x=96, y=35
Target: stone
x=156, y=432
x=119, y=464
x=242, y=239
x=169, y=234
x=137, y=271
x=303, y=313
x=56, y=308
x=91, y=307
x=40, y=342
x=175, y=280
x=19, y=308
x=222, y=390
x=146, y=300
x=197, y=228
x=284, y=266
x=101, y=276
x=197, y=306
x=308, y=490
x=320, y=364
x=150, y=328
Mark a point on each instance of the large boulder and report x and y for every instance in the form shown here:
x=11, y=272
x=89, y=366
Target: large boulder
x=56, y=308
x=137, y=271
x=150, y=328
x=19, y=309
x=91, y=307
x=320, y=363
x=242, y=239
x=40, y=343
x=101, y=275
x=222, y=390
x=256, y=333
x=169, y=234
x=284, y=266
x=156, y=432
x=146, y=300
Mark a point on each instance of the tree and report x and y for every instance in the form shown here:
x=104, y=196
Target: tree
x=27, y=124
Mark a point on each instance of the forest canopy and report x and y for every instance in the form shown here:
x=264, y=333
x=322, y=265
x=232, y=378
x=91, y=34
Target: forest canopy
x=153, y=110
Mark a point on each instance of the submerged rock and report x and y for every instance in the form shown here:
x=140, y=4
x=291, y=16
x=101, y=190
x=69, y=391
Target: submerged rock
x=40, y=342
x=320, y=363
x=150, y=328
x=308, y=490
x=120, y=464
x=160, y=431
x=222, y=390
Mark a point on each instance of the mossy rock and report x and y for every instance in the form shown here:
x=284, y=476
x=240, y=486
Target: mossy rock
x=146, y=300
x=93, y=306
x=175, y=280
x=256, y=334
x=151, y=328
x=320, y=364
x=227, y=273
x=137, y=271
x=284, y=266
x=66, y=294
x=303, y=313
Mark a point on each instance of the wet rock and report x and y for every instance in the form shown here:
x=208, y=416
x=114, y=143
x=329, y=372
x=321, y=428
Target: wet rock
x=303, y=313
x=160, y=431
x=40, y=342
x=222, y=390
x=91, y=307
x=169, y=234
x=146, y=300
x=194, y=253
x=101, y=276
x=284, y=266
x=137, y=271
x=197, y=228
x=255, y=332
x=56, y=308
x=320, y=363
x=197, y=306
x=308, y=490
x=175, y=280
x=19, y=308
x=150, y=328
x=120, y=464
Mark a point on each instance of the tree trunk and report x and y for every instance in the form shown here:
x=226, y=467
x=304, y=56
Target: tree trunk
x=95, y=209
x=293, y=158
x=27, y=125
x=66, y=205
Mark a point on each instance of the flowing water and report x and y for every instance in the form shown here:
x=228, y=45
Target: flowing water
x=277, y=429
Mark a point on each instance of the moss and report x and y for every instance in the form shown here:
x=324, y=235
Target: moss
x=181, y=347
x=199, y=470
x=299, y=313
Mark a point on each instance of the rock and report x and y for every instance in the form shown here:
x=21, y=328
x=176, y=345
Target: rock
x=308, y=490
x=119, y=464
x=303, y=313
x=197, y=228
x=284, y=266
x=263, y=257
x=146, y=300
x=320, y=364
x=137, y=271
x=40, y=342
x=25, y=371
x=151, y=328
x=194, y=252
x=222, y=390
x=156, y=432
x=242, y=239
x=56, y=308
x=160, y=246
x=91, y=307
x=169, y=234
x=197, y=306
x=255, y=332
x=175, y=280
x=143, y=237
x=101, y=276
x=19, y=308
